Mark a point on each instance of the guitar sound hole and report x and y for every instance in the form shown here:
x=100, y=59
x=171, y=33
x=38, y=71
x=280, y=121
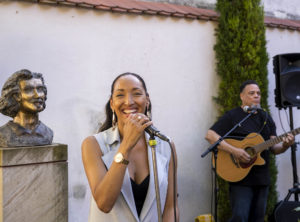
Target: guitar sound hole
x=250, y=151
x=253, y=156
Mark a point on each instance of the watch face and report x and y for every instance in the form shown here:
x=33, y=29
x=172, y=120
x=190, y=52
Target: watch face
x=118, y=157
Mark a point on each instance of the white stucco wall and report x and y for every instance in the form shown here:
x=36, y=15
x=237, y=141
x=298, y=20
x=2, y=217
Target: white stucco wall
x=80, y=51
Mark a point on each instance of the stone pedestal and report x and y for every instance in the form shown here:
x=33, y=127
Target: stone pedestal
x=34, y=184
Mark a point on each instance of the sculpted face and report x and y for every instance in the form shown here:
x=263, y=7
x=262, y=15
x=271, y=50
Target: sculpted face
x=250, y=95
x=32, y=96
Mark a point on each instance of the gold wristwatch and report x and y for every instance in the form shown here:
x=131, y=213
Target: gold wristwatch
x=119, y=158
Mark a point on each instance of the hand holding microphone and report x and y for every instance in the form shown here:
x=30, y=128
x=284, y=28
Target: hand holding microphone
x=151, y=130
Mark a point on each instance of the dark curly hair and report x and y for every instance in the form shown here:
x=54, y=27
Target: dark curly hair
x=9, y=106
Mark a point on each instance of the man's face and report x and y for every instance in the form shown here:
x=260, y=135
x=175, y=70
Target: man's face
x=250, y=95
x=32, y=96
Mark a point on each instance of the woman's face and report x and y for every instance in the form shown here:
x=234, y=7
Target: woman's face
x=128, y=97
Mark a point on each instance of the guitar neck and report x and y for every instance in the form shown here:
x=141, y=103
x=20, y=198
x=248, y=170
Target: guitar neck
x=271, y=142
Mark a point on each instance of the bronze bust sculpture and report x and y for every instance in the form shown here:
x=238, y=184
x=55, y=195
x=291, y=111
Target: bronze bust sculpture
x=23, y=97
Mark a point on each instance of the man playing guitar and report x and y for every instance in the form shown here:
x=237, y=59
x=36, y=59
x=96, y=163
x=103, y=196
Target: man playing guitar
x=248, y=196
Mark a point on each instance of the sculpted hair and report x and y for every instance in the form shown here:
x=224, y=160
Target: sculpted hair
x=108, y=120
x=9, y=106
x=247, y=82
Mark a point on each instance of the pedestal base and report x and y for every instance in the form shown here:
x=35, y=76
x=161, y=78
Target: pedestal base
x=34, y=184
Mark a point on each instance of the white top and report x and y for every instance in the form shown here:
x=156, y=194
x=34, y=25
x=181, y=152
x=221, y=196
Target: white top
x=124, y=209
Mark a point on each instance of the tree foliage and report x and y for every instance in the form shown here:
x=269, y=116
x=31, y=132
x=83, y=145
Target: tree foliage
x=241, y=55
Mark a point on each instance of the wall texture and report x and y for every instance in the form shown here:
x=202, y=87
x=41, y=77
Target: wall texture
x=80, y=51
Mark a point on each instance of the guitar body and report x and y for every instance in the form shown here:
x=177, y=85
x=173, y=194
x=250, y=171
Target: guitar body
x=230, y=169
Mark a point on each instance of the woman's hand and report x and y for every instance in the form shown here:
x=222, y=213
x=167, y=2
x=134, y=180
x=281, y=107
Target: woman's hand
x=134, y=128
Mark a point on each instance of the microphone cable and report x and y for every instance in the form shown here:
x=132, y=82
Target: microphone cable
x=280, y=120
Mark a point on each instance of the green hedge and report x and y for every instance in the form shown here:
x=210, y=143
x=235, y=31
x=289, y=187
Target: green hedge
x=241, y=55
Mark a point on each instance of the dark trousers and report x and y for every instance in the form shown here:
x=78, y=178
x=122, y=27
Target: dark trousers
x=248, y=203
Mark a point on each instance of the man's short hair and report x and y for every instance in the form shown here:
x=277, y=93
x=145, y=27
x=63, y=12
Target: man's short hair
x=247, y=82
x=9, y=106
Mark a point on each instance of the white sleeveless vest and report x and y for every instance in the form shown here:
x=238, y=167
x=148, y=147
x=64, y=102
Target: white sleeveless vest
x=124, y=209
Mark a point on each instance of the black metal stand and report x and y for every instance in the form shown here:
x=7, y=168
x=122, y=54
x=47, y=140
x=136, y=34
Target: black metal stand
x=295, y=190
x=213, y=148
x=216, y=187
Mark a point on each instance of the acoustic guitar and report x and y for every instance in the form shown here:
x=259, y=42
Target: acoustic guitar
x=230, y=169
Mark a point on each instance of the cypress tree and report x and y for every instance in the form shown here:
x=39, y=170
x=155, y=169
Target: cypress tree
x=241, y=55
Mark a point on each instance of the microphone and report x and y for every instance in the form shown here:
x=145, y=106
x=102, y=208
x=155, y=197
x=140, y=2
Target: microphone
x=251, y=108
x=152, y=131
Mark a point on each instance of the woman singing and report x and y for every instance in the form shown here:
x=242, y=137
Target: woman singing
x=118, y=161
